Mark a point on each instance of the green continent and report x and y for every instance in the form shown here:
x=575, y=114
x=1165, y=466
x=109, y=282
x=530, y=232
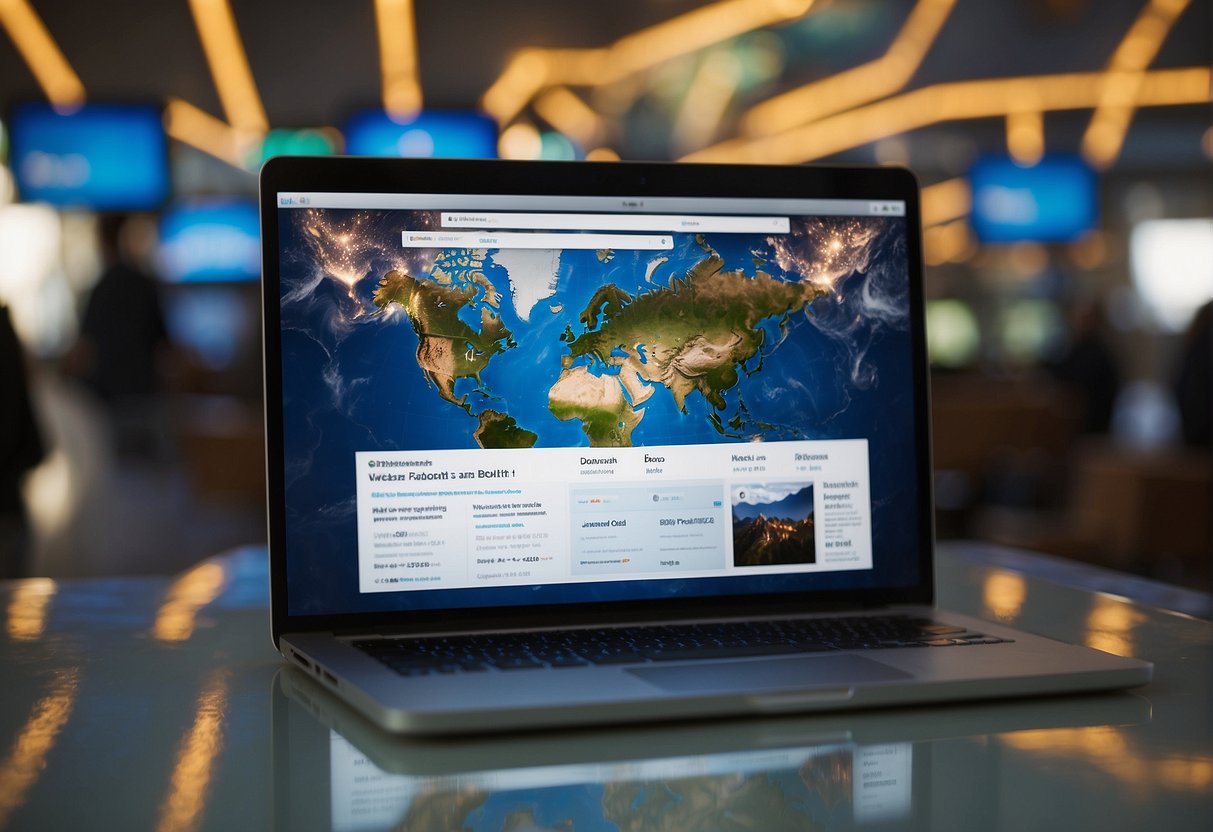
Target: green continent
x=598, y=401
x=609, y=301
x=697, y=334
x=499, y=430
x=723, y=802
x=447, y=348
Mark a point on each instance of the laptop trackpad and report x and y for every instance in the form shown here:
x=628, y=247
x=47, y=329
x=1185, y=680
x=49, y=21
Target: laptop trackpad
x=768, y=674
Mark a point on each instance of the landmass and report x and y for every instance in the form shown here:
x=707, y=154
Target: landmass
x=500, y=430
x=448, y=349
x=607, y=417
x=459, y=265
x=441, y=809
x=533, y=276
x=608, y=301
x=652, y=267
x=707, y=802
x=696, y=335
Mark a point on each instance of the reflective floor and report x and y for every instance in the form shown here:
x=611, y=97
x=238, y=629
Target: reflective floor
x=95, y=512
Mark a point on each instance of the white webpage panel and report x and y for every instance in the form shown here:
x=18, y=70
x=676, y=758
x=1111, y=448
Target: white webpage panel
x=476, y=519
x=687, y=223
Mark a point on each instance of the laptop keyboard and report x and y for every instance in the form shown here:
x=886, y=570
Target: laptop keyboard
x=650, y=643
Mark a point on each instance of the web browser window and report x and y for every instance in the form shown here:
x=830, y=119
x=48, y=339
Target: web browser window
x=495, y=399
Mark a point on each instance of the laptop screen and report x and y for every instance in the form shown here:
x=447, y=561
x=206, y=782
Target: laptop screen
x=499, y=400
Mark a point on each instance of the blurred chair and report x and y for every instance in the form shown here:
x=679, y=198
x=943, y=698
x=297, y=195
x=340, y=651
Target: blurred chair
x=999, y=441
x=223, y=447
x=1140, y=511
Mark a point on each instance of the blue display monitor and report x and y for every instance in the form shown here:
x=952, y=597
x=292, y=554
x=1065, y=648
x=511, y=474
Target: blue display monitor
x=103, y=157
x=217, y=323
x=451, y=135
x=1055, y=200
x=210, y=241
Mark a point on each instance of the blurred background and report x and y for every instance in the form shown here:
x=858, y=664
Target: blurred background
x=1064, y=147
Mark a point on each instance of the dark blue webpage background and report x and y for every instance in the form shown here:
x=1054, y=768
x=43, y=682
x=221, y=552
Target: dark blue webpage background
x=351, y=383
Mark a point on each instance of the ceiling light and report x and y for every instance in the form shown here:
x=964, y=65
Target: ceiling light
x=50, y=67
x=229, y=65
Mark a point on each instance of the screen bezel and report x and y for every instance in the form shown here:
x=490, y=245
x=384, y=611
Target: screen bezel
x=622, y=179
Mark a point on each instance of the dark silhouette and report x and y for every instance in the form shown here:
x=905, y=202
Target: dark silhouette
x=1089, y=367
x=123, y=331
x=123, y=343
x=21, y=448
x=1194, y=380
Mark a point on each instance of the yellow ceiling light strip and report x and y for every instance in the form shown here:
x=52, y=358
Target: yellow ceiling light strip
x=199, y=129
x=229, y=64
x=948, y=243
x=50, y=67
x=946, y=201
x=602, y=154
x=532, y=70
x=1026, y=136
x=695, y=30
x=956, y=101
x=1025, y=126
x=398, y=57
x=854, y=87
x=706, y=100
x=526, y=73
x=1105, y=135
x=570, y=115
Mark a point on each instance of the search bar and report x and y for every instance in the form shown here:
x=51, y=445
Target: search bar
x=489, y=239
x=687, y=223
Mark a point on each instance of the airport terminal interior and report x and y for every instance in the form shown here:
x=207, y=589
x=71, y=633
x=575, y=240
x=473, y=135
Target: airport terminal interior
x=1064, y=149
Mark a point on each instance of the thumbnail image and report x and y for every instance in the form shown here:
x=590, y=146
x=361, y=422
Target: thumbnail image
x=773, y=524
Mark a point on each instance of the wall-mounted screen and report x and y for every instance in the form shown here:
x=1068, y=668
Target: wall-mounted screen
x=210, y=241
x=103, y=157
x=1052, y=201
x=452, y=135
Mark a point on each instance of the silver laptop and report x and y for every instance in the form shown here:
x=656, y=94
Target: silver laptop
x=553, y=444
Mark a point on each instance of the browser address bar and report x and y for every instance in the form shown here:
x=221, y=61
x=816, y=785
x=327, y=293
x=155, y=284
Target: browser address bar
x=535, y=240
x=686, y=223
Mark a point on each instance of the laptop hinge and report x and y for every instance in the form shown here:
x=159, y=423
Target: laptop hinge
x=549, y=622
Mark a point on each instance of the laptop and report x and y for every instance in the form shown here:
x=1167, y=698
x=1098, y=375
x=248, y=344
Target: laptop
x=568, y=443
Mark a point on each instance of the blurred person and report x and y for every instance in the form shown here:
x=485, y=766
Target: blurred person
x=1088, y=366
x=1194, y=379
x=123, y=343
x=21, y=448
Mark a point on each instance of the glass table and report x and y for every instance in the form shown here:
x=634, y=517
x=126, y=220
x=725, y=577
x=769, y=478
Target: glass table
x=159, y=703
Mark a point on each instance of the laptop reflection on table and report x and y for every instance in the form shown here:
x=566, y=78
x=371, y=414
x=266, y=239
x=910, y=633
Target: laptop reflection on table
x=892, y=770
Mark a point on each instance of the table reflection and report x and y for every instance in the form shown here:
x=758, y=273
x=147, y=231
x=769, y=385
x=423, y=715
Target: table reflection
x=857, y=771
